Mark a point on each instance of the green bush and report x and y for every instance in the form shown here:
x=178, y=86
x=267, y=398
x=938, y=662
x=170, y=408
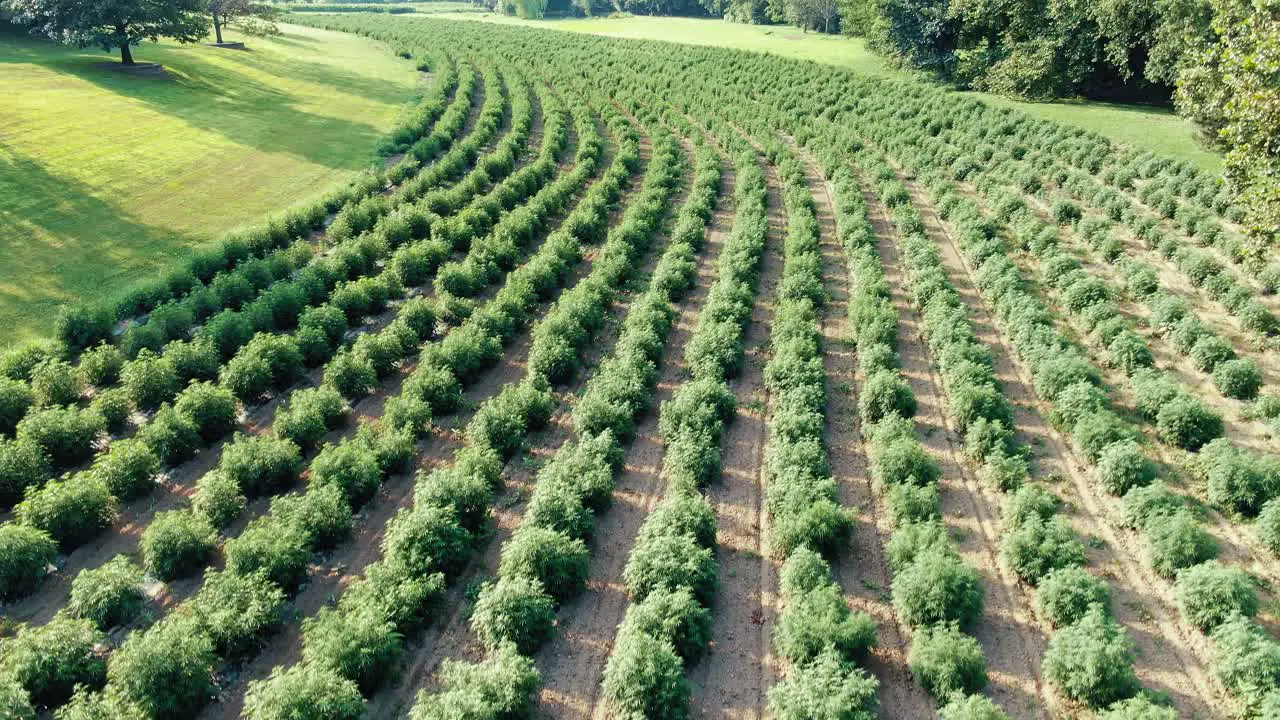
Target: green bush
x=351, y=375
x=408, y=599
x=1094, y=431
x=56, y=382
x=427, y=539
x=100, y=366
x=128, y=469
x=1123, y=466
x=1240, y=378
x=1210, y=351
x=500, y=687
x=109, y=595
x=72, y=511
x=80, y=326
x=645, y=678
x=25, y=555
x=820, y=619
x=1128, y=352
x=885, y=393
x=50, y=660
x=1066, y=594
x=1237, y=480
x=1139, y=707
x=171, y=436
x=212, y=409
x=1187, y=423
x=937, y=587
x=309, y=414
x=304, y=692
x=167, y=671
x=911, y=541
x=913, y=503
x=322, y=512
x=150, y=380
x=1143, y=505
x=1267, y=526
x=260, y=465
x=16, y=700
x=675, y=617
x=65, y=434
x=218, y=499
x=1037, y=547
x=1091, y=662
x=15, y=398
x=903, y=461
x=972, y=707
x=280, y=549
x=672, y=562
x=1209, y=594
x=351, y=466
x=193, y=360
x=1178, y=541
x=23, y=464
x=946, y=661
x=555, y=559
x=176, y=543
x=1027, y=502
x=235, y=610
x=514, y=610
x=1247, y=660
x=362, y=646
x=114, y=406
x=828, y=688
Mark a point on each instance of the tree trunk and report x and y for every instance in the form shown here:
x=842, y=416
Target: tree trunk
x=217, y=27
x=126, y=57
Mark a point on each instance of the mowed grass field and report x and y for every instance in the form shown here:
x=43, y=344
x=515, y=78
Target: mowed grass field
x=1152, y=128
x=107, y=178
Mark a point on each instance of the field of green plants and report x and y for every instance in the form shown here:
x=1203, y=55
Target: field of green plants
x=652, y=381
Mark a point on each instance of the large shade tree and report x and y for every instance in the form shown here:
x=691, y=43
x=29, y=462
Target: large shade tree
x=112, y=24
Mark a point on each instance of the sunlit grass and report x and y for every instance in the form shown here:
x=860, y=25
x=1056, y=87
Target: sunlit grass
x=107, y=178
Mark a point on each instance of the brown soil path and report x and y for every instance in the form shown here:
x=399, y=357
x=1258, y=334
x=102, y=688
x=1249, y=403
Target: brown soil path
x=863, y=570
x=1011, y=639
x=732, y=680
x=1166, y=659
x=572, y=663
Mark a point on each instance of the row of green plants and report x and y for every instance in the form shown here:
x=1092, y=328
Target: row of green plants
x=72, y=511
x=449, y=520
x=544, y=563
x=1178, y=546
x=824, y=644
x=934, y=592
x=220, y=350
x=671, y=572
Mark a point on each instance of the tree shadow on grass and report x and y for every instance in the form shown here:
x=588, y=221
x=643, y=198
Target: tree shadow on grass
x=223, y=98
x=60, y=242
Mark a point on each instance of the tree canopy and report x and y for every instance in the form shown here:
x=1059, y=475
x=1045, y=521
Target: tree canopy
x=112, y=24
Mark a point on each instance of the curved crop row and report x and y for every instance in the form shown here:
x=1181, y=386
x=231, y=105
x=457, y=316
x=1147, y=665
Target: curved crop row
x=671, y=570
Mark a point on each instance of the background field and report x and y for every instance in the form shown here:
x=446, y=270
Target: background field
x=106, y=178
x=1152, y=128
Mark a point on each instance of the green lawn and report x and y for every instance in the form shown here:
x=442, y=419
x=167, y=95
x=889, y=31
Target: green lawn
x=1156, y=129
x=106, y=178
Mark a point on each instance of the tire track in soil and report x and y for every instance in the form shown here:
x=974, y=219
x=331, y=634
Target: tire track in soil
x=332, y=574
x=1166, y=653
x=452, y=637
x=863, y=570
x=1010, y=638
x=572, y=663
x=178, y=485
x=732, y=680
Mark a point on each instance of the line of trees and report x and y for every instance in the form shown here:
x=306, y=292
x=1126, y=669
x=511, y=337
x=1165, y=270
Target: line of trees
x=122, y=24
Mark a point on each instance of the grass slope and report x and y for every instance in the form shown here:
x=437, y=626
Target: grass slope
x=106, y=178
x=1155, y=129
